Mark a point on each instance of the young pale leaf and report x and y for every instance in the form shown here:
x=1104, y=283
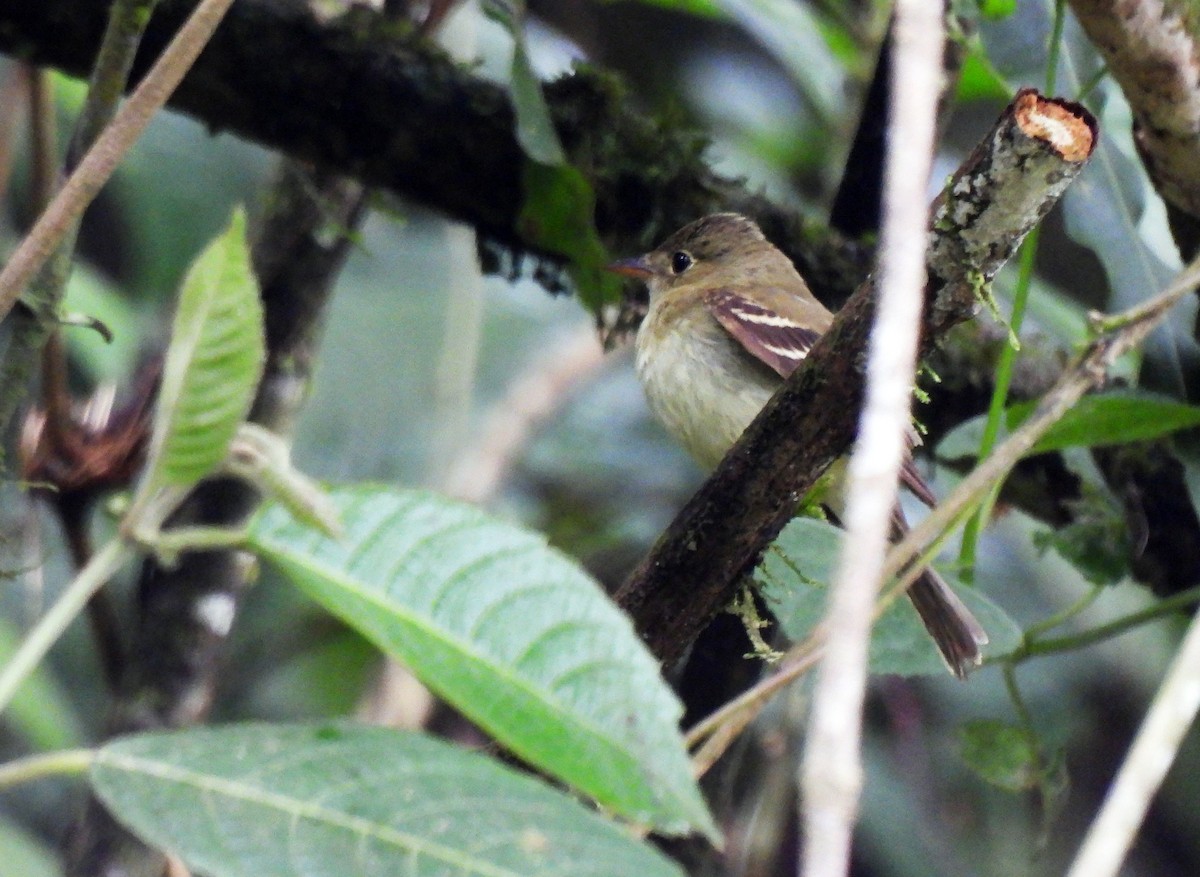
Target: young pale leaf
x=794, y=577
x=325, y=801
x=510, y=631
x=213, y=363
x=1095, y=421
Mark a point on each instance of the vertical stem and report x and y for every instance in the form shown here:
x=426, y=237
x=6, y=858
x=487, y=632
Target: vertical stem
x=832, y=769
x=991, y=429
x=974, y=527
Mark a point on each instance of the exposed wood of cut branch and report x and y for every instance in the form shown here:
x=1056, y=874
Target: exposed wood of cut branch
x=1010, y=181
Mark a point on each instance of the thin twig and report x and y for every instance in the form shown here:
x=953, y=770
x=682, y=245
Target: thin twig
x=127, y=22
x=832, y=771
x=44, y=136
x=1152, y=753
x=110, y=147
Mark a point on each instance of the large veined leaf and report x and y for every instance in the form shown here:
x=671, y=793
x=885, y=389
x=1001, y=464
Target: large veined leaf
x=328, y=801
x=794, y=577
x=213, y=363
x=510, y=631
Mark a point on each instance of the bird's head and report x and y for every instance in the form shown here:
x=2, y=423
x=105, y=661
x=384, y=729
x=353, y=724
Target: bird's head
x=710, y=250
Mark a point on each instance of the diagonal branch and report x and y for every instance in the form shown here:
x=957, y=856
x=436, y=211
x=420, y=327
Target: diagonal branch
x=366, y=96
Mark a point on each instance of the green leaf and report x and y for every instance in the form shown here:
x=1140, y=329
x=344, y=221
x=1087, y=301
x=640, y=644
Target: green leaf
x=266, y=800
x=703, y=8
x=792, y=34
x=794, y=577
x=1111, y=419
x=558, y=216
x=213, y=364
x=1002, y=754
x=535, y=128
x=979, y=80
x=1115, y=418
x=997, y=9
x=510, y=631
x=558, y=212
x=1097, y=541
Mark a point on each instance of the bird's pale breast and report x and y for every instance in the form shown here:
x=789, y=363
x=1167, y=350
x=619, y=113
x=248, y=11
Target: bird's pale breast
x=701, y=385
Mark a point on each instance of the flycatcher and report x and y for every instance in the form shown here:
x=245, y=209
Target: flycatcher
x=729, y=319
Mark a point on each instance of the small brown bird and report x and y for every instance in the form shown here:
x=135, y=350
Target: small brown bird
x=729, y=319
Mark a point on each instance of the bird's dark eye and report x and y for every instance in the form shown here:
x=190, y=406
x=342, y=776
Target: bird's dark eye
x=680, y=262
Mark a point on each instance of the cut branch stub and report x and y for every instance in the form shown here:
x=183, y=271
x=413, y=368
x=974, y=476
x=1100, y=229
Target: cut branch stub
x=999, y=194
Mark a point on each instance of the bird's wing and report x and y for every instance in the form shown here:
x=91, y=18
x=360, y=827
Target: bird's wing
x=778, y=341
x=781, y=343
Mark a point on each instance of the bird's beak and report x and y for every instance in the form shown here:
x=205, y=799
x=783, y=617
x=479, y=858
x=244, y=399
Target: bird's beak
x=636, y=267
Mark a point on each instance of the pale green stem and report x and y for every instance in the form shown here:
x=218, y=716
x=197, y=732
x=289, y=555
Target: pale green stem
x=50, y=627
x=36, y=767
x=169, y=544
x=1052, y=645
x=991, y=429
x=1004, y=369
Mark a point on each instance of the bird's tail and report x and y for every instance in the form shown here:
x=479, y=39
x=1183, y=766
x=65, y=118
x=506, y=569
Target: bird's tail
x=954, y=629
